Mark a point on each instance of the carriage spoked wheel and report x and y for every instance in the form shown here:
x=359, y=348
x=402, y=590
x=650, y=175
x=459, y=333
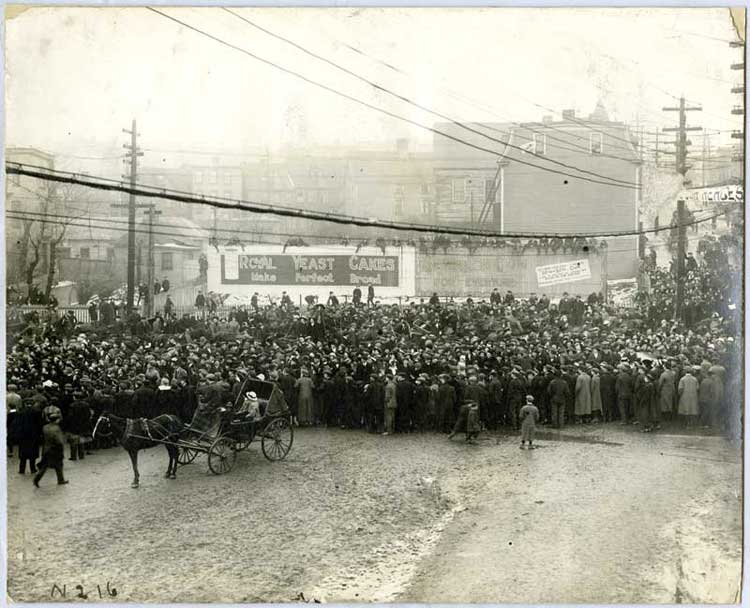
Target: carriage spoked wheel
x=277, y=440
x=186, y=455
x=221, y=455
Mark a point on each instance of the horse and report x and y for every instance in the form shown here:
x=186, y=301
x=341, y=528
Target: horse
x=141, y=434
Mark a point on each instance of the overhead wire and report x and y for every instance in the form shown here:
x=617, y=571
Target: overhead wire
x=383, y=110
x=295, y=212
x=24, y=216
x=379, y=87
x=626, y=148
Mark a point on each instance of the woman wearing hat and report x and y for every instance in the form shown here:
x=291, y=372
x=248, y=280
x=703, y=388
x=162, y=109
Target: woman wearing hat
x=52, y=456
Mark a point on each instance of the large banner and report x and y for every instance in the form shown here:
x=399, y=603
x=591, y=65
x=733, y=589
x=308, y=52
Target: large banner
x=243, y=269
x=567, y=272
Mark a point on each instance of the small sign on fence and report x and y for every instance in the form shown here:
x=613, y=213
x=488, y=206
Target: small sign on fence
x=566, y=272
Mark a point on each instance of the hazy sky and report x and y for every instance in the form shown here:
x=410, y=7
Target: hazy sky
x=77, y=76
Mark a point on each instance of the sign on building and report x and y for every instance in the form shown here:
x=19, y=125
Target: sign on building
x=704, y=197
x=299, y=270
x=566, y=272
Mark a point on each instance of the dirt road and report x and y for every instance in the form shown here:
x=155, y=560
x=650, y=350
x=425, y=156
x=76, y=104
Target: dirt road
x=352, y=517
x=656, y=520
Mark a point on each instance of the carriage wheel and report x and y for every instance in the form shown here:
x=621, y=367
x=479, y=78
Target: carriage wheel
x=278, y=437
x=186, y=455
x=221, y=456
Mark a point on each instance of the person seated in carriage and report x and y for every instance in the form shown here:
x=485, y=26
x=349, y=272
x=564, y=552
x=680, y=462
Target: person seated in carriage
x=250, y=408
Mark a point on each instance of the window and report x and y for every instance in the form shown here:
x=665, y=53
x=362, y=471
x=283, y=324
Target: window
x=595, y=145
x=212, y=177
x=85, y=253
x=227, y=178
x=458, y=186
x=166, y=260
x=540, y=143
x=425, y=188
x=110, y=253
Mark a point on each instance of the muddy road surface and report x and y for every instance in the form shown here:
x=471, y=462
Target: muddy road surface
x=597, y=514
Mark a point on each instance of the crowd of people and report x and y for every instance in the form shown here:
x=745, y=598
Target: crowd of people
x=384, y=369
x=710, y=286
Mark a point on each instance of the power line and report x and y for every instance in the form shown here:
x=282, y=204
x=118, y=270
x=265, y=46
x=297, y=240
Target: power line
x=22, y=216
x=628, y=148
x=254, y=207
x=400, y=97
x=382, y=110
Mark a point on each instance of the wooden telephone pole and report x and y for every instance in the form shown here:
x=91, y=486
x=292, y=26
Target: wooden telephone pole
x=681, y=167
x=132, y=158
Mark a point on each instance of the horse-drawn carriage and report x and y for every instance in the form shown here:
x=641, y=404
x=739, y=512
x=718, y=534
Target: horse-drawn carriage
x=219, y=433
x=236, y=429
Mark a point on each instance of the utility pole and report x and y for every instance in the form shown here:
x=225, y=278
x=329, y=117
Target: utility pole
x=682, y=167
x=682, y=142
x=132, y=158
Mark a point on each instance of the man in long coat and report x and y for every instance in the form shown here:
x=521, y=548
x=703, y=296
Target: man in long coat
x=405, y=401
x=607, y=392
x=645, y=393
x=391, y=405
x=306, y=410
x=624, y=391
x=596, y=395
x=583, y=396
x=374, y=404
x=558, y=398
x=516, y=396
x=446, y=403
x=667, y=388
x=708, y=400
x=687, y=391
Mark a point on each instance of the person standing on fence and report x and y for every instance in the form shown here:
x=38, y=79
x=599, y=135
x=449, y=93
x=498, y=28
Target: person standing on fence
x=370, y=295
x=200, y=303
x=93, y=312
x=168, y=307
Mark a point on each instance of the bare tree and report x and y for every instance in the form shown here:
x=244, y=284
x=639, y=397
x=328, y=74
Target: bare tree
x=51, y=209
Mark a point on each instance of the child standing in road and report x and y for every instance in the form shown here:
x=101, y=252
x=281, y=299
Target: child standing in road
x=529, y=416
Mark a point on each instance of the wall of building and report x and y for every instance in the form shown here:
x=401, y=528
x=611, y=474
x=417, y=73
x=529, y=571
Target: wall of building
x=460, y=274
x=533, y=197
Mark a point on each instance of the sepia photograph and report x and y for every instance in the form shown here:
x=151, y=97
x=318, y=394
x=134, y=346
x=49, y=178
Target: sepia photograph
x=374, y=304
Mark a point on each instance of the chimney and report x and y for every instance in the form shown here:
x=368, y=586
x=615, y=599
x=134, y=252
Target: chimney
x=547, y=119
x=568, y=114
